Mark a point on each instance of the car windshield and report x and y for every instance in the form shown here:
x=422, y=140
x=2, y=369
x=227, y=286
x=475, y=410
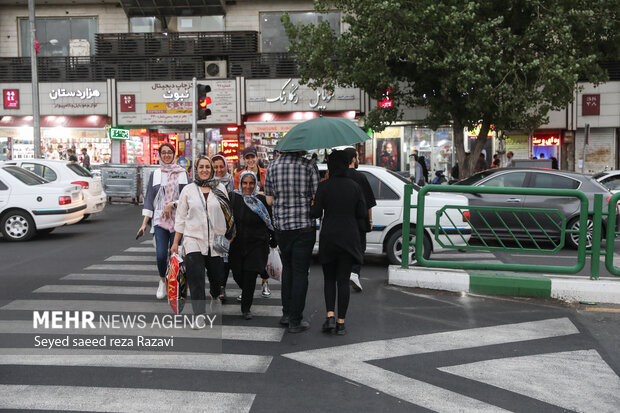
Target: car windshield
x=474, y=178
x=25, y=176
x=79, y=170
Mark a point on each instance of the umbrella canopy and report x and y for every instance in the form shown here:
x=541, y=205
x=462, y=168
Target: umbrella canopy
x=321, y=133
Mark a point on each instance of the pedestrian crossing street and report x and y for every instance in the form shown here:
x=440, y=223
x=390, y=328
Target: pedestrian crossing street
x=125, y=284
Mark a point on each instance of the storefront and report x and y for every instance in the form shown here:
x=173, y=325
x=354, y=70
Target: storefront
x=546, y=144
x=73, y=115
x=158, y=112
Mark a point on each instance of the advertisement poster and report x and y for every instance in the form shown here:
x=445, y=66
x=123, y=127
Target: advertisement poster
x=388, y=153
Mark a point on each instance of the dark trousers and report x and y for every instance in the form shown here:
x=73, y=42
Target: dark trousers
x=336, y=278
x=264, y=276
x=357, y=268
x=296, y=248
x=247, y=281
x=195, y=265
x=163, y=242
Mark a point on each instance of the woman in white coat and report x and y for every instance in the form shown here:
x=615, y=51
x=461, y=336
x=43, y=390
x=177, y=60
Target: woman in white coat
x=203, y=212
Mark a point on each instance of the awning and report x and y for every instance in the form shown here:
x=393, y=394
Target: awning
x=76, y=122
x=283, y=122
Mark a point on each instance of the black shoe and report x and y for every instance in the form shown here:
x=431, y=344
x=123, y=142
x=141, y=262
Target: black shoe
x=302, y=326
x=223, y=294
x=329, y=324
x=340, y=329
x=284, y=320
x=247, y=316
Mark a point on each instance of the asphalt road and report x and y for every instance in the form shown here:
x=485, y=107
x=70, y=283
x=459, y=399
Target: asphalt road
x=406, y=350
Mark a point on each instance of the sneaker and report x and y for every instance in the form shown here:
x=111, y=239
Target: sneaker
x=239, y=298
x=223, y=294
x=284, y=320
x=302, y=326
x=216, y=305
x=161, y=290
x=247, y=316
x=355, y=282
x=198, y=323
x=266, y=290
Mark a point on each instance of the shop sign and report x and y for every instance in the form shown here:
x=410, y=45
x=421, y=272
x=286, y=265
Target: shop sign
x=119, y=134
x=230, y=149
x=545, y=141
x=87, y=93
x=385, y=99
x=11, y=98
x=128, y=103
x=591, y=105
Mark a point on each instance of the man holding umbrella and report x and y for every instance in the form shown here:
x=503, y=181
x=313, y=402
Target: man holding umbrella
x=290, y=186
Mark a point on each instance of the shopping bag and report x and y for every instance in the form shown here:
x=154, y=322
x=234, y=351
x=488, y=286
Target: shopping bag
x=274, y=264
x=177, y=286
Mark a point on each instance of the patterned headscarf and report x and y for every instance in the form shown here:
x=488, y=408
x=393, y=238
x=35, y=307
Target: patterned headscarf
x=171, y=190
x=212, y=183
x=252, y=201
x=227, y=179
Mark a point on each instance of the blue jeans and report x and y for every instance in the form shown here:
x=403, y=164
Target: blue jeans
x=163, y=242
x=296, y=248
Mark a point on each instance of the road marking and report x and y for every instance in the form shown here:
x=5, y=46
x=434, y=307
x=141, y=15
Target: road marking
x=140, y=249
x=236, y=363
x=126, y=307
x=349, y=361
x=602, y=310
x=131, y=278
x=223, y=332
x=111, y=399
x=124, y=267
x=131, y=258
x=119, y=290
x=575, y=380
x=147, y=242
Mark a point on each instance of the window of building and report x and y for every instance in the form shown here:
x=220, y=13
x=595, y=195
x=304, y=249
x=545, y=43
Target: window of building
x=144, y=25
x=273, y=35
x=57, y=34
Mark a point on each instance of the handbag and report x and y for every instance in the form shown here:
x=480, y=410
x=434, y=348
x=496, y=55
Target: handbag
x=177, y=285
x=220, y=244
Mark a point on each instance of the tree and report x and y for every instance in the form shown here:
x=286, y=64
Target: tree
x=501, y=63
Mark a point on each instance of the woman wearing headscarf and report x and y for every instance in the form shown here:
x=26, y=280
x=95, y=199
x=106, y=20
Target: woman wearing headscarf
x=340, y=201
x=203, y=213
x=250, y=248
x=162, y=191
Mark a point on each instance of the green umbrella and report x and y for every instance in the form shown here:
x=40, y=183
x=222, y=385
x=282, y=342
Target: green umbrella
x=321, y=133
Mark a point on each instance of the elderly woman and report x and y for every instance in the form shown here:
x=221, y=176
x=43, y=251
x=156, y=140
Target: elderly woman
x=203, y=213
x=250, y=248
x=162, y=191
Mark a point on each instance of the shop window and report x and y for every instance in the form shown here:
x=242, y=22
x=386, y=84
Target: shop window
x=273, y=35
x=3, y=186
x=41, y=170
x=56, y=33
x=543, y=180
x=379, y=188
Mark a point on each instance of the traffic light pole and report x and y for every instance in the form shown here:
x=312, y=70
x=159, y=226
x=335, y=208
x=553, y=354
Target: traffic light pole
x=194, y=122
x=36, y=120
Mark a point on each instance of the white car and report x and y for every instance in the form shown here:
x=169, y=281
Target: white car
x=387, y=216
x=30, y=204
x=609, y=179
x=69, y=173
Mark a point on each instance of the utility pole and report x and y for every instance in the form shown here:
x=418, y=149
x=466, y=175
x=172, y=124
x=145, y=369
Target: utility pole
x=36, y=120
x=194, y=122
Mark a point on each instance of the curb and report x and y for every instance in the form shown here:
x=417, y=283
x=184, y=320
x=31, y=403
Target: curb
x=565, y=288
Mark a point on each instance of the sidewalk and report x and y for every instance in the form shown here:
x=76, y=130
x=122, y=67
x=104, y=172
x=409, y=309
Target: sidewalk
x=567, y=288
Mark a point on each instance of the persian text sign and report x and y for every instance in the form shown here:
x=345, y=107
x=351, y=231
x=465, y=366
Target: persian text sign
x=546, y=141
x=591, y=105
x=11, y=98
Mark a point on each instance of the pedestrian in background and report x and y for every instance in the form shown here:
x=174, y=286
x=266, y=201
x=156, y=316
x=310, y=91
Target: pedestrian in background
x=509, y=156
x=250, y=157
x=86, y=158
x=162, y=192
x=352, y=159
x=290, y=187
x=340, y=201
x=255, y=234
x=202, y=213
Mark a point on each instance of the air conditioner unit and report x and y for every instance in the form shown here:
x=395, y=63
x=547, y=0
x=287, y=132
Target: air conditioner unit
x=215, y=69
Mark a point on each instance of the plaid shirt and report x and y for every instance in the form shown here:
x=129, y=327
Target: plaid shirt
x=292, y=181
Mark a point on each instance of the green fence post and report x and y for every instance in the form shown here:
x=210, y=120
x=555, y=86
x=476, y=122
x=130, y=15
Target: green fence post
x=595, y=259
x=404, y=256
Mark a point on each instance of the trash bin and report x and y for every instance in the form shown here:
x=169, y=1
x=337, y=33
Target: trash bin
x=145, y=173
x=121, y=181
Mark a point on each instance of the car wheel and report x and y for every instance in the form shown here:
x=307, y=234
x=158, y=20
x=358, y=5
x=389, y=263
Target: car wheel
x=17, y=226
x=394, y=247
x=85, y=217
x=572, y=240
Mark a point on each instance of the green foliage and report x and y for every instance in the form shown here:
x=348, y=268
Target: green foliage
x=506, y=63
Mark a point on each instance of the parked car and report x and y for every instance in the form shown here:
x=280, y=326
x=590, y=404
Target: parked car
x=69, y=173
x=387, y=216
x=609, y=179
x=537, y=225
x=30, y=204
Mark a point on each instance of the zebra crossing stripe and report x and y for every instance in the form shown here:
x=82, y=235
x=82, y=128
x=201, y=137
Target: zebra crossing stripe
x=235, y=363
x=124, y=267
x=145, y=307
x=140, y=249
x=130, y=278
x=224, y=332
x=119, y=290
x=131, y=258
x=112, y=399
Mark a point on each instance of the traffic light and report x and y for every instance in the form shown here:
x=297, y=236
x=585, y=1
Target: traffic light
x=203, y=101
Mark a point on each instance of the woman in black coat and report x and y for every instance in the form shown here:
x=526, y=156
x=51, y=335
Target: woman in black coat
x=339, y=200
x=249, y=249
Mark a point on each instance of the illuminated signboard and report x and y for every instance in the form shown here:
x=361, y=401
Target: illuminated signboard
x=230, y=149
x=385, y=99
x=11, y=98
x=545, y=141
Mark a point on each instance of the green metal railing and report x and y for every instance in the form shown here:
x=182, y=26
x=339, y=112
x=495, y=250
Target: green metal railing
x=498, y=236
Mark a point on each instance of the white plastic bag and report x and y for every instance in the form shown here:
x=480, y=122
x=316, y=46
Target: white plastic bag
x=274, y=264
